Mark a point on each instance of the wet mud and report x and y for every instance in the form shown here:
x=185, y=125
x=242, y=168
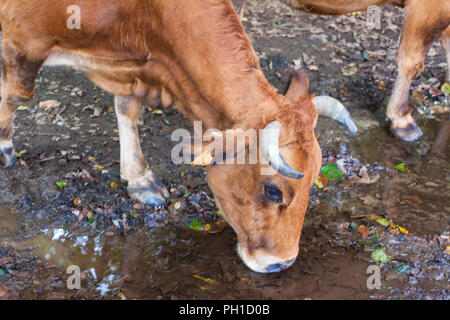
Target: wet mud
x=63, y=203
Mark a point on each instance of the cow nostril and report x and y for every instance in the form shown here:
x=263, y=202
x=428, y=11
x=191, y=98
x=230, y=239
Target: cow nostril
x=278, y=267
x=274, y=268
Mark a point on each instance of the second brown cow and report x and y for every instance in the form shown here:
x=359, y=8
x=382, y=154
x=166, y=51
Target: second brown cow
x=425, y=21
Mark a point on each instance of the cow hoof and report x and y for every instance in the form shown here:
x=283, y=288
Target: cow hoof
x=409, y=133
x=147, y=197
x=154, y=194
x=9, y=157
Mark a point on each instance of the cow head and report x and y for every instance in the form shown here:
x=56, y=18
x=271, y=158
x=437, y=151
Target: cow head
x=267, y=210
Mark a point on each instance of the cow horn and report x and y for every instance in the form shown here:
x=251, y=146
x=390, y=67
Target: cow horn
x=270, y=148
x=332, y=108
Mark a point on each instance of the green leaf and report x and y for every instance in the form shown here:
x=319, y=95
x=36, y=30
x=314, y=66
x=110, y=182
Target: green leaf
x=61, y=184
x=196, y=225
x=2, y=273
x=380, y=256
x=445, y=88
x=400, y=167
x=92, y=219
x=331, y=172
x=384, y=222
x=22, y=108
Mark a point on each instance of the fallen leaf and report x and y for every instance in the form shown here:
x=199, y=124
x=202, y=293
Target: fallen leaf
x=446, y=88
x=364, y=177
x=432, y=52
x=49, y=104
x=92, y=219
x=400, y=167
x=380, y=256
x=364, y=231
x=2, y=273
x=207, y=280
x=5, y=260
x=3, y=291
x=319, y=184
x=215, y=227
x=402, y=268
x=61, y=184
x=383, y=221
x=331, y=172
x=196, y=225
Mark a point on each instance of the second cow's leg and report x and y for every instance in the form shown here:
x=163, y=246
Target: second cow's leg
x=422, y=25
x=445, y=41
x=142, y=184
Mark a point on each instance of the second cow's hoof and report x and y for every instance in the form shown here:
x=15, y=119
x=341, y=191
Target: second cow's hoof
x=410, y=133
x=406, y=128
x=155, y=194
x=8, y=157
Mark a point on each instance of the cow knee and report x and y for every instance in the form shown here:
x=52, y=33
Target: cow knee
x=410, y=64
x=19, y=74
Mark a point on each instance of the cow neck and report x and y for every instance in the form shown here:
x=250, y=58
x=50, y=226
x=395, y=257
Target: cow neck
x=210, y=46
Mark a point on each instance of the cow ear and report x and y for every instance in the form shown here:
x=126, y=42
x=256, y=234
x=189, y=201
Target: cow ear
x=298, y=86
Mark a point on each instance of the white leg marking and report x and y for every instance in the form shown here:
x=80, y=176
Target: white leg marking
x=142, y=185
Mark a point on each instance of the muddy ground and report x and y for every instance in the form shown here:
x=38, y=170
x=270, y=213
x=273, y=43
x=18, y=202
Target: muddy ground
x=398, y=213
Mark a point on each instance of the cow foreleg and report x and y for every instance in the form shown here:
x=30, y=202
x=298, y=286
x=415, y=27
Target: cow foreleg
x=17, y=87
x=445, y=41
x=142, y=184
x=422, y=26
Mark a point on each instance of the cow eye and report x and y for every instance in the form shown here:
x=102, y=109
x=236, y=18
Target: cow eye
x=273, y=193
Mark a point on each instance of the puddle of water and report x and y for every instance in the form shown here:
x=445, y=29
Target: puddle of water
x=416, y=197
x=163, y=264
x=100, y=258
x=9, y=222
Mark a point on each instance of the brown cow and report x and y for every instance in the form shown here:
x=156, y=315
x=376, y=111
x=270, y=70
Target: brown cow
x=197, y=54
x=425, y=20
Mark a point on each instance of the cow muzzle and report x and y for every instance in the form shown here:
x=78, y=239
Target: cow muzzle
x=262, y=262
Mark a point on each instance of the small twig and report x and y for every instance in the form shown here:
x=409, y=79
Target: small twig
x=49, y=159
